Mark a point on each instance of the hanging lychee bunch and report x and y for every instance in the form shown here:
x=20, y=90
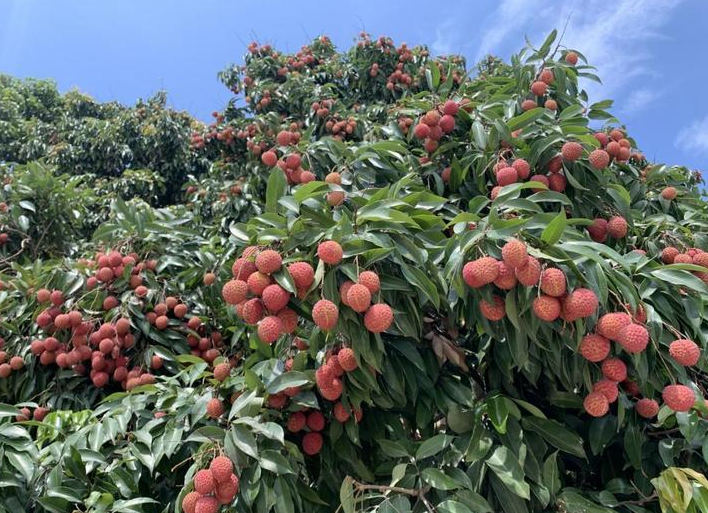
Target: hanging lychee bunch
x=357, y=296
x=433, y=126
x=539, y=89
x=314, y=422
x=258, y=298
x=110, y=266
x=213, y=487
x=15, y=363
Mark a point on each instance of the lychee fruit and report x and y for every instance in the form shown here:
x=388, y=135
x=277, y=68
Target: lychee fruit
x=599, y=159
x=571, y=58
x=523, y=169
x=226, y=492
x=553, y=282
x=647, y=408
x=269, y=158
x=243, y=268
x=312, y=443
x=598, y=230
x=378, y=318
x=347, y=359
x=234, y=291
x=330, y=252
x=594, y=347
x=608, y=388
x=370, y=280
x=296, y=422
x=580, y=303
x=289, y=319
x=678, y=398
x=547, y=308
x=207, y=504
x=215, y=408
x=316, y=421
x=610, y=324
x=530, y=273
x=275, y=297
x=494, y=311
x=546, y=76
x=596, y=404
x=252, y=311
x=571, y=151
x=614, y=369
x=685, y=352
x=617, y=227
x=222, y=371
x=344, y=292
x=268, y=261
x=341, y=413
x=507, y=176
x=302, y=274
x=358, y=298
x=480, y=272
x=204, y=482
x=222, y=469
x=669, y=193
x=633, y=338
x=269, y=329
x=506, y=280
x=539, y=88
x=325, y=314
x=514, y=253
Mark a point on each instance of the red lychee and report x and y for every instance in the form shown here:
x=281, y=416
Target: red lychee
x=302, y=273
x=617, y=227
x=599, y=159
x=614, y=369
x=378, y=318
x=296, y=422
x=678, y=398
x=215, y=408
x=234, y=291
x=610, y=324
x=312, y=443
x=347, y=359
x=480, y=272
x=596, y=404
x=580, y=303
x=523, y=169
x=547, y=308
x=633, y=338
x=647, y=408
x=571, y=151
x=330, y=252
x=514, y=253
x=608, y=388
x=370, y=280
x=553, y=282
x=325, y=314
x=204, y=482
x=222, y=469
x=269, y=329
x=275, y=297
x=268, y=261
x=507, y=176
x=530, y=273
x=685, y=352
x=594, y=348
x=358, y=298
x=494, y=311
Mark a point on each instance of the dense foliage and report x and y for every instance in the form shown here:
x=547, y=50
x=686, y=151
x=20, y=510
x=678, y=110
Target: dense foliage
x=382, y=286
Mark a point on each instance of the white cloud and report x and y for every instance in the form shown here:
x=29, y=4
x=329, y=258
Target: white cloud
x=444, y=43
x=612, y=35
x=639, y=99
x=694, y=137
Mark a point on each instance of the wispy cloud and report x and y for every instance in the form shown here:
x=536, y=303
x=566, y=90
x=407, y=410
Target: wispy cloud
x=694, y=137
x=444, y=43
x=612, y=35
x=640, y=99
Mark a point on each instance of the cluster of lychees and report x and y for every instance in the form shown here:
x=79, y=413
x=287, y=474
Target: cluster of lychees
x=539, y=89
x=616, y=227
x=695, y=256
x=213, y=487
x=268, y=301
x=628, y=331
x=9, y=363
x=517, y=266
x=37, y=414
x=110, y=267
x=435, y=124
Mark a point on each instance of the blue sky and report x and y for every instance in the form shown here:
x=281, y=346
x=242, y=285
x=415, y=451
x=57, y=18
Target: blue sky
x=651, y=54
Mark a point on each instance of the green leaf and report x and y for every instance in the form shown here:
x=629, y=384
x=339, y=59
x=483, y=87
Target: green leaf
x=553, y=232
x=506, y=466
x=275, y=189
x=432, y=446
x=346, y=495
x=287, y=380
x=438, y=479
x=556, y=434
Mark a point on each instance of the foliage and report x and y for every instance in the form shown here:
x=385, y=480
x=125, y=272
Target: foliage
x=479, y=394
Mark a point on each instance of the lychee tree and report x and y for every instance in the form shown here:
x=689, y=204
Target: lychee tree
x=398, y=288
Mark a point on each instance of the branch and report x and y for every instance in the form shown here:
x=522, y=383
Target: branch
x=419, y=493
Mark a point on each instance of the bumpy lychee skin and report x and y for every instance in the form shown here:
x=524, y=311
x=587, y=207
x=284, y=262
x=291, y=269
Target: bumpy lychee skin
x=344, y=292
x=546, y=76
x=252, y=311
x=506, y=280
x=325, y=314
x=685, y=352
x=547, y=308
x=669, y=193
x=514, y=253
x=701, y=259
x=330, y=252
x=596, y=404
x=222, y=371
x=341, y=413
x=580, y=303
x=480, y=272
x=226, y=492
x=494, y=311
x=268, y=261
x=204, y=482
x=523, y=169
x=614, y=369
x=296, y=422
x=347, y=359
x=594, y=347
x=215, y=408
x=359, y=298
x=678, y=398
x=571, y=151
x=312, y=443
x=610, y=324
x=378, y=318
x=302, y=273
x=598, y=230
x=243, y=268
x=257, y=282
x=608, y=388
x=599, y=159
x=207, y=504
x=647, y=408
x=221, y=468
x=269, y=329
x=539, y=88
x=189, y=503
x=234, y=291
x=370, y=280
x=275, y=297
x=633, y=338
x=571, y=58
x=289, y=319
x=316, y=421
x=530, y=273
x=617, y=227
x=553, y=282
x=507, y=176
